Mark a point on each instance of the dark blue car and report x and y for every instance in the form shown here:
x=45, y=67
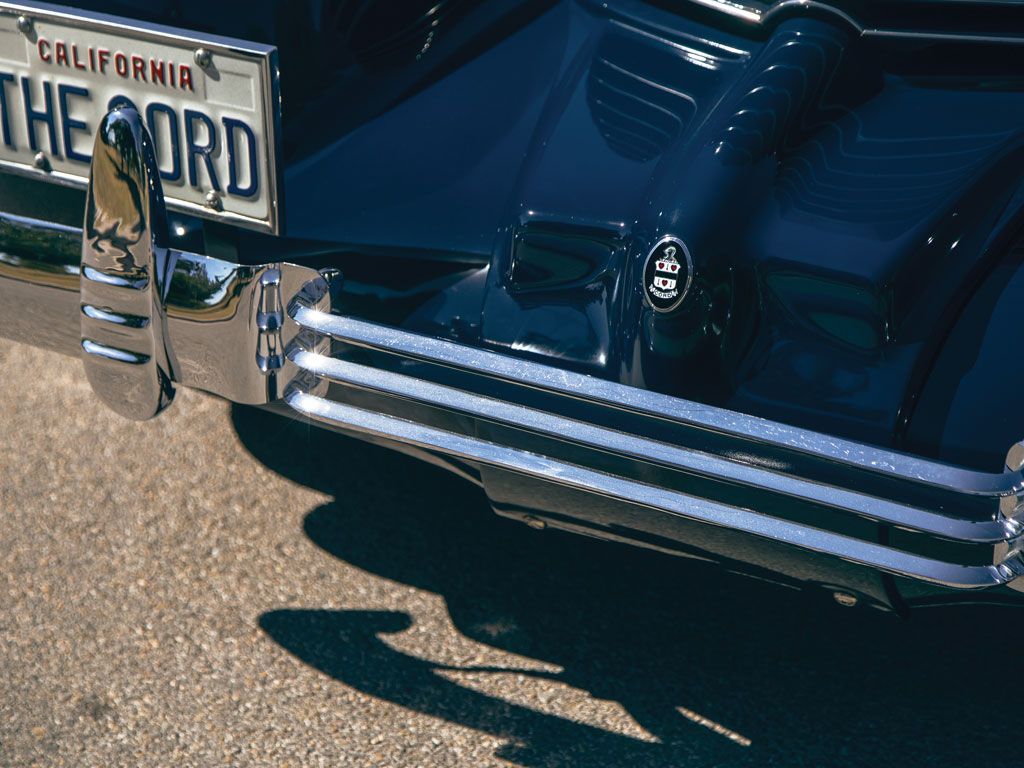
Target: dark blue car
x=737, y=281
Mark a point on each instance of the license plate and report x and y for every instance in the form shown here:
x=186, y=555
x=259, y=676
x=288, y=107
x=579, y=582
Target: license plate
x=210, y=103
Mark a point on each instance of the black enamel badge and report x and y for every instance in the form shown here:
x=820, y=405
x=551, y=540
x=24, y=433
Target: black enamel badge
x=667, y=274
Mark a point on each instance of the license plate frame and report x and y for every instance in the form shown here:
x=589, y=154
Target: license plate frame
x=265, y=215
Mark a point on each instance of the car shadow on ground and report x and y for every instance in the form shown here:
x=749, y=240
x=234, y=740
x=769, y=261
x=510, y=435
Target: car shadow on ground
x=715, y=668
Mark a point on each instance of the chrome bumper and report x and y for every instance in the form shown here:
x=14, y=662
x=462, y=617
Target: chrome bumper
x=146, y=318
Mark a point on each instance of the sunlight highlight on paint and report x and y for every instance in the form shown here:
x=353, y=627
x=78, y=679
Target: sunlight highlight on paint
x=718, y=728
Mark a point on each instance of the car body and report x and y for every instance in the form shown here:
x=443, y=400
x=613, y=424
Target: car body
x=731, y=281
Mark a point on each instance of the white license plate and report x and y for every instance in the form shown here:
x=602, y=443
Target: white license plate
x=211, y=105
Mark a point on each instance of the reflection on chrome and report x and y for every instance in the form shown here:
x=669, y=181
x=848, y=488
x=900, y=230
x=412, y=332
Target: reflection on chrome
x=146, y=318
x=152, y=317
x=123, y=259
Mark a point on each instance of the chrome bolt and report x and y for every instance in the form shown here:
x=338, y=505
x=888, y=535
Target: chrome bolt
x=203, y=57
x=1015, y=457
x=535, y=522
x=41, y=161
x=25, y=25
x=845, y=599
x=212, y=200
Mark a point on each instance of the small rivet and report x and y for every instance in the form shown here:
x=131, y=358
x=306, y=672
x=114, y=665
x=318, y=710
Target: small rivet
x=203, y=57
x=25, y=25
x=535, y=522
x=213, y=200
x=845, y=599
x=41, y=161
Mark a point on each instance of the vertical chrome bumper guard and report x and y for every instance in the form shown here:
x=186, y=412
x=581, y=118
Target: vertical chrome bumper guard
x=152, y=315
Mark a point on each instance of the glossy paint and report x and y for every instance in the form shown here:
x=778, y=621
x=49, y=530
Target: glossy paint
x=841, y=198
x=839, y=195
x=569, y=450
x=496, y=173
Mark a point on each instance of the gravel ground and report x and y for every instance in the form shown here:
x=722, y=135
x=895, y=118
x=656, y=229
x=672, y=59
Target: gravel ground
x=175, y=593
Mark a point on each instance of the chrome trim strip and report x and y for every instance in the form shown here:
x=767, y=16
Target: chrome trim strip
x=212, y=307
x=674, y=457
x=953, y=37
x=826, y=447
x=231, y=339
x=113, y=353
x=99, y=276
x=760, y=17
x=778, y=8
x=117, y=318
x=746, y=13
x=661, y=500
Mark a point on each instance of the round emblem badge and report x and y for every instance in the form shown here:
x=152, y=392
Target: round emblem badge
x=667, y=274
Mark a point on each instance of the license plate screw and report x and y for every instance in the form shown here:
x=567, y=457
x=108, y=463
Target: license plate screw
x=213, y=200
x=41, y=161
x=25, y=25
x=203, y=57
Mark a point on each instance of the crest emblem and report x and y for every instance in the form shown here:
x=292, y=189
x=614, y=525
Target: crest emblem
x=667, y=274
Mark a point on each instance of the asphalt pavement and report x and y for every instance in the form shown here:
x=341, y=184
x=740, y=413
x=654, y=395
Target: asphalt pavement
x=222, y=586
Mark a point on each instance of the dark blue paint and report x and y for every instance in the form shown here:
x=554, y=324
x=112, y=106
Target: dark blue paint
x=852, y=205
x=806, y=169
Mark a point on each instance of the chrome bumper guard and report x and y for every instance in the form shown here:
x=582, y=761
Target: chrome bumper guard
x=145, y=317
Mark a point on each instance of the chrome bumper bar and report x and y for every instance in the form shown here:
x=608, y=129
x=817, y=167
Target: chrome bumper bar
x=778, y=466
x=146, y=318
